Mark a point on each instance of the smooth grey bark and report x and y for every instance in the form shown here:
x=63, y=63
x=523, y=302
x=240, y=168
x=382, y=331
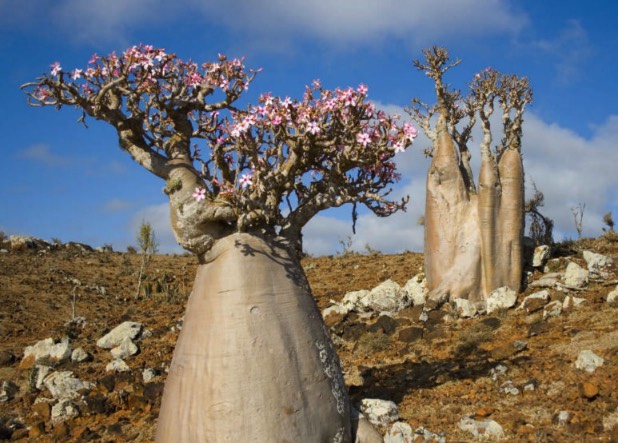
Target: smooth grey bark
x=254, y=359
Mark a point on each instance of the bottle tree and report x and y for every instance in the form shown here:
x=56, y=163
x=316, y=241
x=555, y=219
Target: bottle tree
x=253, y=357
x=473, y=234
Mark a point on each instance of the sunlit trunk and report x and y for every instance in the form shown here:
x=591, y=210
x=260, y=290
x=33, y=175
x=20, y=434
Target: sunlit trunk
x=511, y=219
x=254, y=361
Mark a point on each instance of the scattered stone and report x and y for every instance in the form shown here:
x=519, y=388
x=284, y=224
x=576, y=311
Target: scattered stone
x=541, y=255
x=351, y=301
x=588, y=361
x=465, y=308
x=483, y=429
x=64, y=385
x=126, y=349
x=597, y=263
x=588, y=390
x=387, y=296
x=535, y=302
x=416, y=289
x=612, y=298
x=79, y=355
x=553, y=309
x=571, y=301
x=115, y=337
x=546, y=281
x=562, y=418
x=46, y=349
x=497, y=372
x=117, y=366
x=610, y=421
x=38, y=374
x=335, y=309
x=148, y=374
x=501, y=298
x=509, y=388
x=8, y=389
x=575, y=277
x=63, y=410
x=379, y=412
x=399, y=433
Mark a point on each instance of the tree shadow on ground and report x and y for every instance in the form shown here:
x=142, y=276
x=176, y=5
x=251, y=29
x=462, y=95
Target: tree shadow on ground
x=394, y=382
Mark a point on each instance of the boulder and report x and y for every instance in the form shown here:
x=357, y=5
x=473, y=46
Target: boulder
x=64, y=410
x=588, y=361
x=485, y=429
x=115, y=337
x=597, y=263
x=126, y=349
x=64, y=384
x=540, y=256
x=46, y=349
x=575, y=277
x=416, y=289
x=535, y=302
x=465, y=308
x=379, y=412
x=501, y=298
x=117, y=366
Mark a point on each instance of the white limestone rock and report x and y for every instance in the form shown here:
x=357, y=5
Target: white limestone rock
x=541, y=255
x=64, y=384
x=117, y=366
x=64, y=410
x=379, y=412
x=115, y=337
x=597, y=263
x=575, y=276
x=465, y=308
x=126, y=349
x=483, y=429
x=416, y=289
x=588, y=361
x=49, y=349
x=501, y=298
x=79, y=355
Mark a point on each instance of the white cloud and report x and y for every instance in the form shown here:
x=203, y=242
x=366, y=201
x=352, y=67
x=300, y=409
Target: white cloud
x=570, y=51
x=276, y=21
x=42, y=153
x=116, y=205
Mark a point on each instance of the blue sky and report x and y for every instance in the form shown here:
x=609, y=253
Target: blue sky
x=60, y=180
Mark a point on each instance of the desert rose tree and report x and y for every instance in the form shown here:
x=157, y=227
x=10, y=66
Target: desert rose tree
x=254, y=359
x=473, y=234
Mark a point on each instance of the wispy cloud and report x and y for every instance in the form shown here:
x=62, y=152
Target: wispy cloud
x=337, y=23
x=569, y=51
x=41, y=153
x=116, y=205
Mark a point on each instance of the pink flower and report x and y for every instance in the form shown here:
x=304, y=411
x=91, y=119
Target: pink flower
x=276, y=119
x=55, y=68
x=313, y=128
x=399, y=146
x=410, y=131
x=363, y=138
x=362, y=89
x=199, y=194
x=246, y=180
x=316, y=84
x=77, y=73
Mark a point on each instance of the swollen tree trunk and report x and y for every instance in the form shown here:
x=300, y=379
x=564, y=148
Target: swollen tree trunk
x=452, y=244
x=254, y=360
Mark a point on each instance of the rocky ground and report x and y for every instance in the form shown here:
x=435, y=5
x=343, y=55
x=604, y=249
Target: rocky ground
x=511, y=372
